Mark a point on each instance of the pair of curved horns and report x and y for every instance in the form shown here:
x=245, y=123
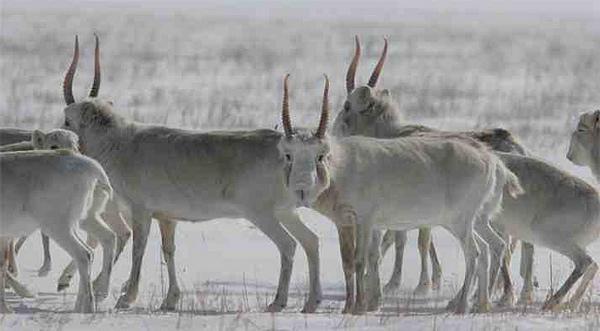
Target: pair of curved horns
x=351, y=74
x=68, y=82
x=285, y=112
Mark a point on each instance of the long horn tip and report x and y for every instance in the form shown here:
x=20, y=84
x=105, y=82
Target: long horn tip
x=285, y=81
x=285, y=111
x=324, y=111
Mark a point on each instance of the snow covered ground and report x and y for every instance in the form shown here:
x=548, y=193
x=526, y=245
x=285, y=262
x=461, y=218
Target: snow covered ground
x=228, y=272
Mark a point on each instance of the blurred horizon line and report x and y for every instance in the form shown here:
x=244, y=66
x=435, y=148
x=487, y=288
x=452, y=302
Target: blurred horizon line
x=384, y=10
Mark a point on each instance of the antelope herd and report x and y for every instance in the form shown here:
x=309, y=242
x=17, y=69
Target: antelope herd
x=374, y=177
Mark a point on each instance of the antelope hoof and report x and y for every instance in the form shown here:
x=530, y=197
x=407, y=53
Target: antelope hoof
x=170, y=302
x=87, y=308
x=12, y=269
x=44, y=270
x=275, y=308
x=526, y=298
x=359, y=308
x=311, y=306
x=391, y=287
x=436, y=282
x=167, y=306
x=122, y=303
x=348, y=308
x=451, y=306
x=422, y=289
x=61, y=286
x=460, y=309
x=507, y=300
x=482, y=308
x=5, y=309
x=373, y=305
x=21, y=290
x=100, y=289
x=551, y=305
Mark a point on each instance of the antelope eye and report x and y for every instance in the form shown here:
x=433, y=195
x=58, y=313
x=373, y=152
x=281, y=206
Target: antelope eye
x=288, y=157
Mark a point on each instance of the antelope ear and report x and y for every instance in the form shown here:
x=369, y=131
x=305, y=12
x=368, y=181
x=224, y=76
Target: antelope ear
x=385, y=95
x=37, y=139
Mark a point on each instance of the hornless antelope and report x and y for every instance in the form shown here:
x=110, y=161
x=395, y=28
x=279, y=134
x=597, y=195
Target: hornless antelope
x=584, y=147
x=173, y=174
x=558, y=211
x=371, y=112
x=112, y=217
x=33, y=185
x=13, y=139
x=93, y=224
x=399, y=184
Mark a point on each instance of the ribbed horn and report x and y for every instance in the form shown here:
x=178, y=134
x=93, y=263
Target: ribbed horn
x=96, y=84
x=68, y=82
x=351, y=74
x=379, y=66
x=285, y=109
x=324, y=111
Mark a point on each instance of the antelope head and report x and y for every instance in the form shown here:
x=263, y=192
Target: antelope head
x=584, y=147
x=55, y=139
x=365, y=106
x=305, y=153
x=91, y=114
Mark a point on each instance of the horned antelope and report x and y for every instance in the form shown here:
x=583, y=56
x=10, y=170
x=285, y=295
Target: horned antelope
x=372, y=112
x=173, y=174
x=33, y=185
x=114, y=216
x=400, y=184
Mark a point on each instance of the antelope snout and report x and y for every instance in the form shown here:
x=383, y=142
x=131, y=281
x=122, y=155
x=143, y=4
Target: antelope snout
x=302, y=198
x=571, y=157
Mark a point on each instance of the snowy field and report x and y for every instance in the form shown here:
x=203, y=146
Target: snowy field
x=206, y=67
